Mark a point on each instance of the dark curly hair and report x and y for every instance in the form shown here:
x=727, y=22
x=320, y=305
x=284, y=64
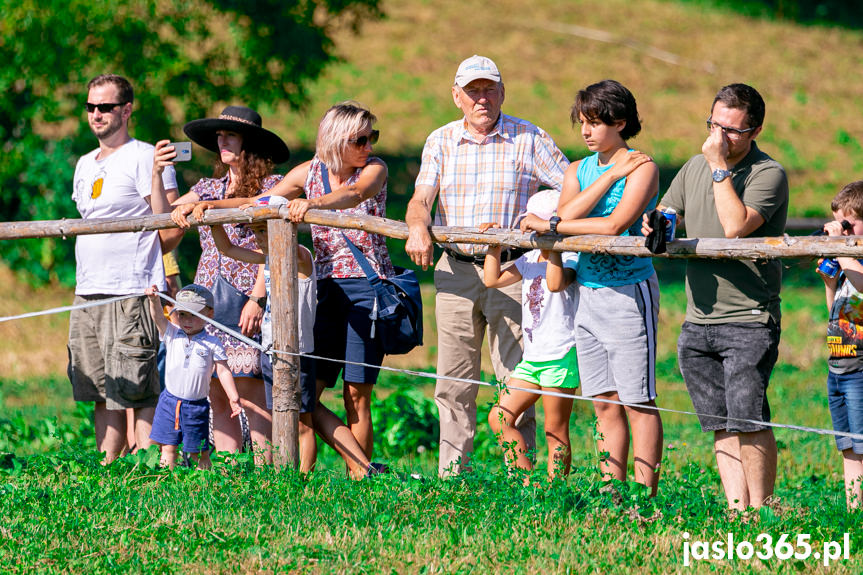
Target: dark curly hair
x=252, y=169
x=608, y=101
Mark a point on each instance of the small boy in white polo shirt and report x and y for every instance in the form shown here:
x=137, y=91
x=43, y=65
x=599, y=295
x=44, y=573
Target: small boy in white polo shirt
x=182, y=414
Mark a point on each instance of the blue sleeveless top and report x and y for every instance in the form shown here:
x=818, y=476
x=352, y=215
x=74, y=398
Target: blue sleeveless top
x=597, y=270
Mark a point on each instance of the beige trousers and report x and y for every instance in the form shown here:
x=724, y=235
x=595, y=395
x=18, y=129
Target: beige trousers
x=464, y=308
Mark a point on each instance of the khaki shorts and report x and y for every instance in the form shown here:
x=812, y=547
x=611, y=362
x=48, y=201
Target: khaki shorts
x=112, y=353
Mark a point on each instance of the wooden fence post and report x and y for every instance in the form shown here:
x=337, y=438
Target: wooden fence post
x=284, y=294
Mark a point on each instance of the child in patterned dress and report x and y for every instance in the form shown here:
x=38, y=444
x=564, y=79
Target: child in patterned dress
x=307, y=292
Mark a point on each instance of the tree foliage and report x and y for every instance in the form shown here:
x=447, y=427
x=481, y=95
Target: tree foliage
x=184, y=58
x=845, y=13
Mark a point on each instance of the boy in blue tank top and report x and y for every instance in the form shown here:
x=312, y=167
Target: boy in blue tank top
x=615, y=324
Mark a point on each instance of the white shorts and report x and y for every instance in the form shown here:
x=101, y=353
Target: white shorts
x=615, y=335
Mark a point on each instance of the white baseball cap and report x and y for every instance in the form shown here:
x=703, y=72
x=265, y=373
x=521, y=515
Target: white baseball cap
x=543, y=204
x=475, y=68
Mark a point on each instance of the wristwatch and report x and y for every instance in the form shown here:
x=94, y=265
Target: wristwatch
x=719, y=175
x=260, y=300
x=552, y=224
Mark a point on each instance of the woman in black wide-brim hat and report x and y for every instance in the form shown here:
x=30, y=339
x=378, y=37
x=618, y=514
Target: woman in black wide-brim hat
x=247, y=153
x=344, y=175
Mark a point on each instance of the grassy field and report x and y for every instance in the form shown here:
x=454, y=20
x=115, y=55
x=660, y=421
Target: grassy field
x=673, y=56
x=60, y=511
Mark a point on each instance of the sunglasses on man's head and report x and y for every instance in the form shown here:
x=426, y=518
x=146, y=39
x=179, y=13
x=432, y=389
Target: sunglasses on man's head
x=104, y=108
x=363, y=140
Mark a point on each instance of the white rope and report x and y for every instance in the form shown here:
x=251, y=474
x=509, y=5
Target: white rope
x=92, y=303
x=544, y=391
x=229, y=331
x=580, y=397
x=429, y=375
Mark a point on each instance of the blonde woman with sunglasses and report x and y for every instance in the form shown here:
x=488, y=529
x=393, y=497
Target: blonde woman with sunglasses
x=342, y=176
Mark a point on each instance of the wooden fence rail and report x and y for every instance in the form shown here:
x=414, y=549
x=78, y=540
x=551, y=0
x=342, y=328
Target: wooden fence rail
x=283, y=270
x=738, y=248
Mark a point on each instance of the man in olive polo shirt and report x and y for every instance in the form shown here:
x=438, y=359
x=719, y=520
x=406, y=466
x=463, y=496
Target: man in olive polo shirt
x=729, y=340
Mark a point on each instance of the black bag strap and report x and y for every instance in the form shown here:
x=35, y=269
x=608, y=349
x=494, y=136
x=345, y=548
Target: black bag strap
x=371, y=274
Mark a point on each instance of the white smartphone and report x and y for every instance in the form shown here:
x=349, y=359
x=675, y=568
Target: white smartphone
x=184, y=151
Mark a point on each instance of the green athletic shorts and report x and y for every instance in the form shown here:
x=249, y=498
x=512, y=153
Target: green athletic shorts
x=562, y=373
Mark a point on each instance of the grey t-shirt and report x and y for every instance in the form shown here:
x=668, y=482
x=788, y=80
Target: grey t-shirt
x=724, y=290
x=307, y=304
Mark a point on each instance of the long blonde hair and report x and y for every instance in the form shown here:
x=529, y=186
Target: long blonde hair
x=339, y=124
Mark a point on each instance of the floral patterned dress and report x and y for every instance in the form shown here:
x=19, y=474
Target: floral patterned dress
x=243, y=359
x=333, y=257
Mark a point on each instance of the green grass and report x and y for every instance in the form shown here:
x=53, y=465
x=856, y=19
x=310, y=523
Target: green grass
x=63, y=512
x=60, y=511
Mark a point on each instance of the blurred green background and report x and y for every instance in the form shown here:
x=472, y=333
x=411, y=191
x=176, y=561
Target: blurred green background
x=292, y=60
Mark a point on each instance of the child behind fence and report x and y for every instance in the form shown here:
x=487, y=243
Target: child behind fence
x=844, y=292
x=306, y=318
x=191, y=354
x=549, y=362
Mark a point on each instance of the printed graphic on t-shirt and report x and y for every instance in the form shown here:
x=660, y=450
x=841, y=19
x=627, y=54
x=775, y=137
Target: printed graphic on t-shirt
x=97, y=185
x=614, y=268
x=534, y=303
x=844, y=334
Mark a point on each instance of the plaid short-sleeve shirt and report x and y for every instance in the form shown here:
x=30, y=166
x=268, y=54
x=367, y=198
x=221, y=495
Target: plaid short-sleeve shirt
x=488, y=180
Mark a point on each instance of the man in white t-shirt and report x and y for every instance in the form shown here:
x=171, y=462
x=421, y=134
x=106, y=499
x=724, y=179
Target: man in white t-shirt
x=112, y=347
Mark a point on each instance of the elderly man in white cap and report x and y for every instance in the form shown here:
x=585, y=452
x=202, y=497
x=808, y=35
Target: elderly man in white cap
x=481, y=168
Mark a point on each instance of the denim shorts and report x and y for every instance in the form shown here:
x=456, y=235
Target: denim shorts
x=845, y=394
x=308, y=395
x=182, y=421
x=727, y=368
x=343, y=330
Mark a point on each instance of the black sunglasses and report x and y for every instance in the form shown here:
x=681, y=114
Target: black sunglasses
x=104, y=108
x=363, y=140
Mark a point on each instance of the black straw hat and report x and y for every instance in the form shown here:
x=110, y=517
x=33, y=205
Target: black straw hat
x=244, y=121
